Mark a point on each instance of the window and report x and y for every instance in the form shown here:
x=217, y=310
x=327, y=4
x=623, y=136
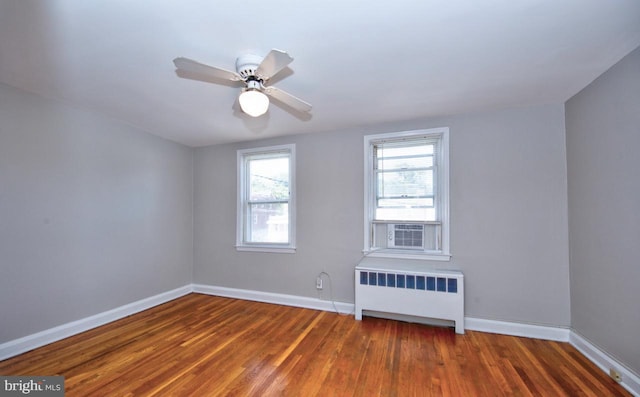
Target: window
x=266, y=199
x=407, y=194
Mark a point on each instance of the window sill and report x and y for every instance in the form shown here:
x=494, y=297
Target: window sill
x=403, y=254
x=266, y=248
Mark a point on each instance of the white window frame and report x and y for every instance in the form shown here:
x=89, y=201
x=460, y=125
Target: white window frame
x=441, y=188
x=242, y=191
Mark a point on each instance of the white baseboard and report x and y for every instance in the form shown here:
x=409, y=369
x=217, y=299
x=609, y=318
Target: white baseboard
x=630, y=380
x=33, y=341
x=280, y=299
x=558, y=334
x=476, y=324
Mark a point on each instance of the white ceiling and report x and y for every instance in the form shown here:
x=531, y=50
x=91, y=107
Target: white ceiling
x=358, y=62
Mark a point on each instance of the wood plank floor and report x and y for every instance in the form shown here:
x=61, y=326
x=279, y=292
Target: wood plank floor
x=201, y=345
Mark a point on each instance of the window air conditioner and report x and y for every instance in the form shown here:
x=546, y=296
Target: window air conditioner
x=409, y=236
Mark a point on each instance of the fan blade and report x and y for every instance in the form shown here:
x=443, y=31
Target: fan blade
x=189, y=65
x=274, y=62
x=288, y=99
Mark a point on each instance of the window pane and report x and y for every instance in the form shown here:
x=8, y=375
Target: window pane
x=405, y=214
x=414, y=147
x=405, y=181
x=405, y=184
x=406, y=203
x=396, y=163
x=268, y=223
x=269, y=179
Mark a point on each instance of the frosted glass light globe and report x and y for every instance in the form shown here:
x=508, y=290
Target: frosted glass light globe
x=253, y=102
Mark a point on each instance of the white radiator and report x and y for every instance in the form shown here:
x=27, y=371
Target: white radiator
x=409, y=290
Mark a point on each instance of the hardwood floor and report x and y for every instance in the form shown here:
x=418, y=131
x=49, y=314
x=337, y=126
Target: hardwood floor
x=201, y=345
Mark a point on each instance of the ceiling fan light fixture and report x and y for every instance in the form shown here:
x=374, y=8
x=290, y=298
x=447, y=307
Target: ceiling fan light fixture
x=253, y=71
x=253, y=101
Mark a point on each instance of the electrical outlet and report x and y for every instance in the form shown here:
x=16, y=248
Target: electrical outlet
x=319, y=283
x=615, y=375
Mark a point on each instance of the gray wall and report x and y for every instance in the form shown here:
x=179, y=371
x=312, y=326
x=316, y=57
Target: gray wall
x=508, y=211
x=93, y=214
x=603, y=138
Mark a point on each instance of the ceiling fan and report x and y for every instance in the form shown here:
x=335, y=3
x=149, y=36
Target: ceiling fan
x=254, y=72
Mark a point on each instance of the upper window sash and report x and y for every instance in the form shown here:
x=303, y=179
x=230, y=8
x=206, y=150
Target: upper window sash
x=405, y=178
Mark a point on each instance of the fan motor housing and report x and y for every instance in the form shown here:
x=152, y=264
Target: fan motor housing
x=246, y=65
